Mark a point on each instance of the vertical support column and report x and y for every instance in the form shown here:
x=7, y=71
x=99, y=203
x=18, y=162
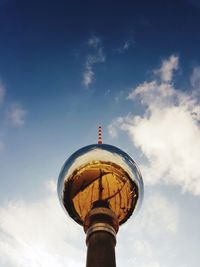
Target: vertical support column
x=101, y=243
x=101, y=227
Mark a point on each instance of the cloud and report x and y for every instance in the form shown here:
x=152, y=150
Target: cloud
x=16, y=115
x=125, y=46
x=195, y=78
x=38, y=234
x=167, y=68
x=94, y=42
x=2, y=92
x=156, y=223
x=159, y=216
x=88, y=76
x=167, y=133
x=114, y=126
x=142, y=247
x=97, y=57
x=11, y=114
x=151, y=264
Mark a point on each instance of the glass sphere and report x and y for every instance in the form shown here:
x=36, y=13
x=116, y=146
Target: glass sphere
x=100, y=175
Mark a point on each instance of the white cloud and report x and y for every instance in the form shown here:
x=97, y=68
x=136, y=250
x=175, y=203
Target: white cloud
x=167, y=68
x=151, y=264
x=142, y=247
x=113, y=127
x=38, y=234
x=156, y=223
x=159, y=216
x=97, y=57
x=16, y=115
x=88, y=76
x=168, y=133
x=2, y=92
x=195, y=78
x=12, y=113
x=51, y=186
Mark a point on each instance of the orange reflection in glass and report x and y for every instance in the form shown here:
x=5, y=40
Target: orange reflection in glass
x=100, y=181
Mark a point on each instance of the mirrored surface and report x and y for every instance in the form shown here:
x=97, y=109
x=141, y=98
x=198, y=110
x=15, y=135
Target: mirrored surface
x=100, y=175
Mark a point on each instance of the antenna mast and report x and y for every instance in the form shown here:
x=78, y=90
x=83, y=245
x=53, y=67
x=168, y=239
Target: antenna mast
x=99, y=135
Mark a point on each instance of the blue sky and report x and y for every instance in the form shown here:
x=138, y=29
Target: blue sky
x=132, y=67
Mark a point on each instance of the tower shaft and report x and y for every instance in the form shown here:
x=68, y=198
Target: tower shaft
x=101, y=226
x=101, y=249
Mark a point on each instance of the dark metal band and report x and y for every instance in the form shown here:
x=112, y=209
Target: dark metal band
x=105, y=213
x=97, y=227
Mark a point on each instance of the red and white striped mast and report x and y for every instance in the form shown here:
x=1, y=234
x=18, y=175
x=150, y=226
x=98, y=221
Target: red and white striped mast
x=99, y=135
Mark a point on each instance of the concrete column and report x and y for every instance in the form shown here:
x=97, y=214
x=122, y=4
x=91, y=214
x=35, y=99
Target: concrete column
x=101, y=243
x=101, y=226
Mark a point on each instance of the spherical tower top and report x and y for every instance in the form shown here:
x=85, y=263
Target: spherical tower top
x=100, y=175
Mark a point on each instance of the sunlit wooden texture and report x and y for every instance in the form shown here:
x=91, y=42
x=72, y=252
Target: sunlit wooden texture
x=100, y=180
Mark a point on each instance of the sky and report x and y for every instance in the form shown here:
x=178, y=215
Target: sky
x=132, y=67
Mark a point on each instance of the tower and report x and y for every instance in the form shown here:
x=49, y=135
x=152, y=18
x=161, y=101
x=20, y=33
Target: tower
x=100, y=186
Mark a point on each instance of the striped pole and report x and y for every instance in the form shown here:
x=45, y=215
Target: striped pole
x=99, y=135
